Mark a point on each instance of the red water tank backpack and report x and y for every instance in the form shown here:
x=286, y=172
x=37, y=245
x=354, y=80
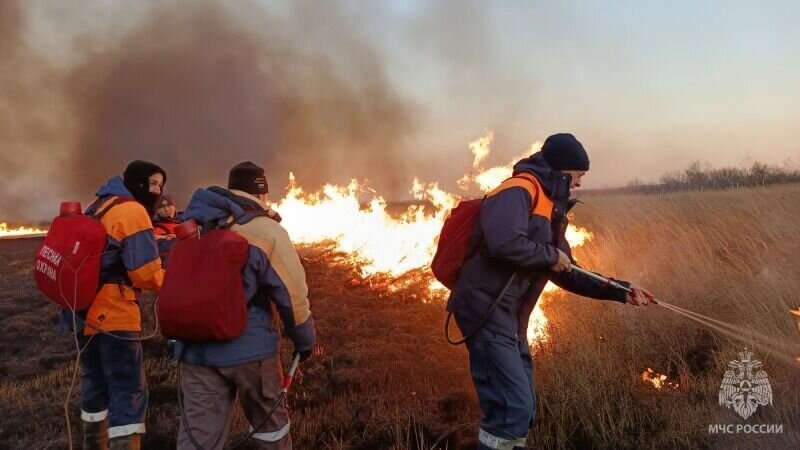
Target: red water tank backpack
x=67, y=267
x=454, y=239
x=203, y=297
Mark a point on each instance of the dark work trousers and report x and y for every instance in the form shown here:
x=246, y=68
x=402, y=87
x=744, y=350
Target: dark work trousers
x=502, y=371
x=113, y=383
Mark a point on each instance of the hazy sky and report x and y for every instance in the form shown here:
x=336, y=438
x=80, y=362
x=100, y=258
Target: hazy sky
x=647, y=86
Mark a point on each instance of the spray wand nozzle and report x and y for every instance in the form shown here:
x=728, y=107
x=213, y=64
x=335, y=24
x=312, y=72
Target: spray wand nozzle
x=287, y=380
x=608, y=281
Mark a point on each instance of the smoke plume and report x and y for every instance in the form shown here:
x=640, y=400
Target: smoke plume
x=197, y=87
x=32, y=121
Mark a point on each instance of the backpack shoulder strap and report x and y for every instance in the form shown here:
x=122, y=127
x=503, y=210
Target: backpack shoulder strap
x=98, y=214
x=540, y=204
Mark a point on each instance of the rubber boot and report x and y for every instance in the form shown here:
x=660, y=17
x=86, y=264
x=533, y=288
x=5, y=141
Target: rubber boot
x=130, y=442
x=95, y=435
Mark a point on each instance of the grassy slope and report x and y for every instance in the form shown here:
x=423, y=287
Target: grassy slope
x=384, y=378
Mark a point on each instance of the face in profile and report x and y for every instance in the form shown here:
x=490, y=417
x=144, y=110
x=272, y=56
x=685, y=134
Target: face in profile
x=577, y=175
x=156, y=183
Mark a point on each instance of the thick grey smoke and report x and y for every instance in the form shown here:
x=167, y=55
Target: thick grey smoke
x=32, y=121
x=329, y=90
x=196, y=91
x=197, y=87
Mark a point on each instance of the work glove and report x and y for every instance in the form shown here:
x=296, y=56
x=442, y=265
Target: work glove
x=304, y=354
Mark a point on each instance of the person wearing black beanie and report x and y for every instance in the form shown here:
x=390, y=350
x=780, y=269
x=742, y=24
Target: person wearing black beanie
x=563, y=152
x=145, y=181
x=523, y=226
x=275, y=287
x=249, y=178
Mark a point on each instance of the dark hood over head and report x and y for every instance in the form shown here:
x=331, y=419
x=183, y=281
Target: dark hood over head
x=137, y=180
x=554, y=182
x=216, y=206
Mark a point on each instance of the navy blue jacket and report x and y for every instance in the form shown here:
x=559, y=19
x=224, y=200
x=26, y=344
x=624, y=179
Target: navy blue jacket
x=509, y=238
x=273, y=267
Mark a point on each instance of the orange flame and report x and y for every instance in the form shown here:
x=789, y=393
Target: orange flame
x=480, y=148
x=380, y=243
x=537, y=326
x=657, y=380
x=377, y=241
x=5, y=231
x=488, y=179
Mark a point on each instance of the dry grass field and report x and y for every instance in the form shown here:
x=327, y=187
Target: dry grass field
x=384, y=378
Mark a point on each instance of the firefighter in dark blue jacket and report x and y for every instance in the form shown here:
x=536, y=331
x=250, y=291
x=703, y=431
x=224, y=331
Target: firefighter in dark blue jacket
x=524, y=235
x=214, y=373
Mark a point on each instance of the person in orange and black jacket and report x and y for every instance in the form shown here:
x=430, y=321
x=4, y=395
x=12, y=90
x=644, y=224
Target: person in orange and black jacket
x=113, y=388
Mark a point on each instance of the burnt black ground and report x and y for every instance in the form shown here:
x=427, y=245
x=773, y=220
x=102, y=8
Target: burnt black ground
x=30, y=341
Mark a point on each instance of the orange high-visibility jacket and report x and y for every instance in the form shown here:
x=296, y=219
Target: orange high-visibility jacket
x=129, y=264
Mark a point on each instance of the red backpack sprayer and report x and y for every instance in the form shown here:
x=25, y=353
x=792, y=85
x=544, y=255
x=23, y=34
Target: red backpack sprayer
x=67, y=272
x=215, y=310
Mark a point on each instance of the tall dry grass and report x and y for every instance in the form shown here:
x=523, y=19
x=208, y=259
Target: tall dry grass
x=731, y=255
x=384, y=378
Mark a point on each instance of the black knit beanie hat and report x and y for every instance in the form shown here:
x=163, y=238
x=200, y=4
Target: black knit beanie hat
x=563, y=152
x=249, y=178
x=137, y=180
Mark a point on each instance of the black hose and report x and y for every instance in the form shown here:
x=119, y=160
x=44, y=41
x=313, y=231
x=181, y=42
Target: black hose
x=185, y=420
x=281, y=397
x=483, y=322
x=180, y=402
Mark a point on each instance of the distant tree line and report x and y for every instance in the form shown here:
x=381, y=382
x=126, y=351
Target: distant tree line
x=701, y=176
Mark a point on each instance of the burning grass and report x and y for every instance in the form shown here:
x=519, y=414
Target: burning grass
x=384, y=378
x=658, y=380
x=7, y=231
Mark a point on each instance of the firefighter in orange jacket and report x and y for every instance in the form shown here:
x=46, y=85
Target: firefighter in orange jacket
x=113, y=387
